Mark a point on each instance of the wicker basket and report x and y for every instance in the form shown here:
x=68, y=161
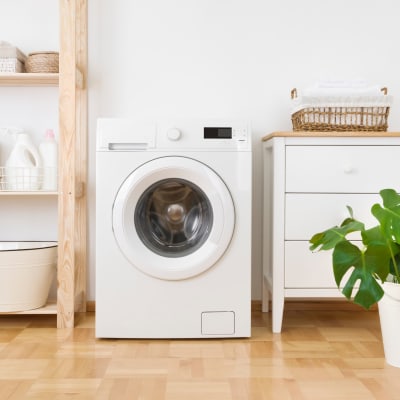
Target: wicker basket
x=342, y=117
x=43, y=62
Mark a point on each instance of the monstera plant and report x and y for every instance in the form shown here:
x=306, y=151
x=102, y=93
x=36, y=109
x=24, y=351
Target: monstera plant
x=371, y=261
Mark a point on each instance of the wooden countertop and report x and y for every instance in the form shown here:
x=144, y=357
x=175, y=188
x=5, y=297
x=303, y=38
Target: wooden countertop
x=330, y=134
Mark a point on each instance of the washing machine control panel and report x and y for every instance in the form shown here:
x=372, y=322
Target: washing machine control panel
x=214, y=135
x=203, y=135
x=179, y=135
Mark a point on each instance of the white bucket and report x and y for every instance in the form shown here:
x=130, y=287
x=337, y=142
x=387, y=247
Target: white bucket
x=27, y=270
x=389, y=314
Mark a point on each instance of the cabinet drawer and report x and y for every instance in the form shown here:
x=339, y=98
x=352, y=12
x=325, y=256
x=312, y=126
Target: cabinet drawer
x=342, y=169
x=307, y=214
x=307, y=270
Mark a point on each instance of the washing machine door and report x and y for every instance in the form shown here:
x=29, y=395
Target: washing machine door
x=173, y=218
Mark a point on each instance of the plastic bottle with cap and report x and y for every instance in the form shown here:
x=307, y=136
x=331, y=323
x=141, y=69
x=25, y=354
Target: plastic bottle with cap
x=23, y=165
x=48, y=150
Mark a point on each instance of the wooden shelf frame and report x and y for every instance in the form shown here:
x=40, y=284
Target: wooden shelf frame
x=28, y=79
x=27, y=193
x=72, y=208
x=72, y=164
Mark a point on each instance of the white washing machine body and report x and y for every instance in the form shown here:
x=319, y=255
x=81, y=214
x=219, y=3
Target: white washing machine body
x=173, y=229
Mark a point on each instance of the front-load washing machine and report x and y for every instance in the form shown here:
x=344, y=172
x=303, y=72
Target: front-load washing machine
x=173, y=229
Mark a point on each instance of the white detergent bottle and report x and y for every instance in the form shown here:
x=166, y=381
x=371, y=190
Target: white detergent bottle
x=22, y=170
x=48, y=150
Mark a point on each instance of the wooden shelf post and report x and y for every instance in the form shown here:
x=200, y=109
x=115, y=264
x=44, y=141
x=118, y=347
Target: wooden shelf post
x=71, y=293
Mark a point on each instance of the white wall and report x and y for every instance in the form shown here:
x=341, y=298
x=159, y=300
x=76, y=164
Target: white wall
x=31, y=26
x=211, y=58
x=232, y=57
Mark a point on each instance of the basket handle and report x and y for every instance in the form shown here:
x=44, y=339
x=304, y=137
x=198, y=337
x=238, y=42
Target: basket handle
x=293, y=92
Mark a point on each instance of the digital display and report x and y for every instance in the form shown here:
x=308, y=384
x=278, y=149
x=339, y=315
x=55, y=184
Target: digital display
x=217, y=133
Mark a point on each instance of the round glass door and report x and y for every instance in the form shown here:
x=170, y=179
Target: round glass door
x=173, y=218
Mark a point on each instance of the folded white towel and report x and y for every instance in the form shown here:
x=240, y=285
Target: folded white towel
x=342, y=83
x=7, y=50
x=343, y=91
x=343, y=87
x=302, y=102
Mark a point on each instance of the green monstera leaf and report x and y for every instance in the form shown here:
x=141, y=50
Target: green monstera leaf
x=365, y=266
x=389, y=221
x=359, y=268
x=328, y=239
x=389, y=215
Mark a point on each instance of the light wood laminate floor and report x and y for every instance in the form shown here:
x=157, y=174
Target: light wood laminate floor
x=319, y=355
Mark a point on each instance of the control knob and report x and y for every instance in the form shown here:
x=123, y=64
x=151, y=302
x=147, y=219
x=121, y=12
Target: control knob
x=174, y=134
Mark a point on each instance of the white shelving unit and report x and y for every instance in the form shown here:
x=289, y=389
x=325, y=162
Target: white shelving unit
x=71, y=196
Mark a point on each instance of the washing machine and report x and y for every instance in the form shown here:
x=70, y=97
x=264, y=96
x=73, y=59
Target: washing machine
x=173, y=229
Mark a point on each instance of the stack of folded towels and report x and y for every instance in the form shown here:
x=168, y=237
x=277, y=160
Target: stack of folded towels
x=341, y=93
x=343, y=88
x=11, y=58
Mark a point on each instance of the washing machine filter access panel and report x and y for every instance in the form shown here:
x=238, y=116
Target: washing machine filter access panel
x=173, y=229
x=218, y=323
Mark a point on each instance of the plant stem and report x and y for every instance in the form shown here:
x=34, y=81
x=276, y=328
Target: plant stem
x=396, y=270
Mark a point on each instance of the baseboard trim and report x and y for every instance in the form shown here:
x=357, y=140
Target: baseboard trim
x=295, y=304
x=291, y=304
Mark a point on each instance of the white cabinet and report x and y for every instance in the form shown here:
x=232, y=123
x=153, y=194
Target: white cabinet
x=309, y=179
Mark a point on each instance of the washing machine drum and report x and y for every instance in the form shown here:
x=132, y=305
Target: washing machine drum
x=173, y=218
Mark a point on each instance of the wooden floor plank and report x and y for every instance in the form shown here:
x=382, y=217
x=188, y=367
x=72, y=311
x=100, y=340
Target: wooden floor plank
x=320, y=354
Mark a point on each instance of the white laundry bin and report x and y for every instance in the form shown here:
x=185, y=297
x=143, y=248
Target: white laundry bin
x=27, y=270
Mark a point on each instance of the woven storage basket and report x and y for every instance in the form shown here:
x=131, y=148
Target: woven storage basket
x=42, y=62
x=343, y=117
